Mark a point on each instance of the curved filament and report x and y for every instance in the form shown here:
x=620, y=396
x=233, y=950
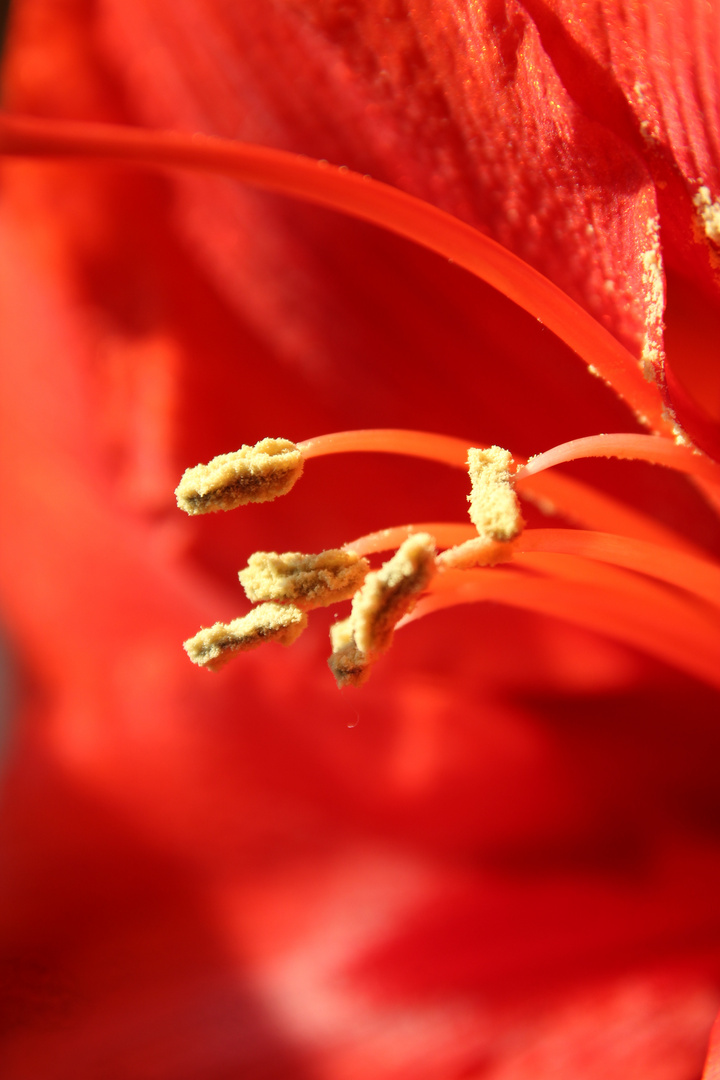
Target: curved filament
x=445, y=533
x=554, y=493
x=445, y=449
x=661, y=625
x=628, y=445
x=699, y=576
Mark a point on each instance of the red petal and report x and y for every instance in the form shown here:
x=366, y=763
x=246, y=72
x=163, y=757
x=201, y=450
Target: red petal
x=208, y=877
x=656, y=65
x=712, y=1065
x=499, y=143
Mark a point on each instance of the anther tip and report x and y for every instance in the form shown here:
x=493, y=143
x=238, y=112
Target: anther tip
x=310, y=581
x=494, y=506
x=213, y=646
x=385, y=597
x=256, y=473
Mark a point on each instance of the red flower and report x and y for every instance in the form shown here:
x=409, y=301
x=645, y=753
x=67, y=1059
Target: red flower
x=509, y=866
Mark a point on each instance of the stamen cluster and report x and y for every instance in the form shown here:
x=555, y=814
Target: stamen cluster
x=617, y=572
x=287, y=585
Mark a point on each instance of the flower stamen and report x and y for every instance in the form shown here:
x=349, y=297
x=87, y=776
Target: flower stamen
x=552, y=492
x=212, y=647
x=252, y=474
x=494, y=506
x=387, y=595
x=615, y=569
x=310, y=581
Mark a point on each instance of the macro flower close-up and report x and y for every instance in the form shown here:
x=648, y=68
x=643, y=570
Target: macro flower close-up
x=410, y=246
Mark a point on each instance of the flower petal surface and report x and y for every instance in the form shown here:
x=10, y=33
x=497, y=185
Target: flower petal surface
x=500, y=858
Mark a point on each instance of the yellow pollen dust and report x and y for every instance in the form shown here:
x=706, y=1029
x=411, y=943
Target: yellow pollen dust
x=257, y=473
x=494, y=506
x=211, y=648
x=494, y=511
x=286, y=585
x=387, y=595
x=308, y=580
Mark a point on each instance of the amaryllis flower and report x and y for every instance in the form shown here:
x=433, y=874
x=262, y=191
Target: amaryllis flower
x=499, y=857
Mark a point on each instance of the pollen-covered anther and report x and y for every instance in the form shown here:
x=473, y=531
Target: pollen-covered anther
x=349, y=666
x=476, y=552
x=257, y=473
x=387, y=595
x=213, y=647
x=308, y=580
x=494, y=506
x=391, y=592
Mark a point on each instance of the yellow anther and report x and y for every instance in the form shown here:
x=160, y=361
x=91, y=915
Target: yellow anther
x=391, y=592
x=257, y=473
x=494, y=506
x=349, y=666
x=387, y=595
x=214, y=646
x=308, y=580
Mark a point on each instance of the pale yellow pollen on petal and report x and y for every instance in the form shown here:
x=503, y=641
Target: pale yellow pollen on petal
x=653, y=285
x=308, y=580
x=387, y=595
x=257, y=473
x=213, y=647
x=494, y=506
x=709, y=214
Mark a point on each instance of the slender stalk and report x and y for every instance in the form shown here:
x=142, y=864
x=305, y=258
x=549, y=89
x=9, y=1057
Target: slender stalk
x=630, y=446
x=590, y=509
x=662, y=626
x=699, y=576
x=447, y=534
x=421, y=444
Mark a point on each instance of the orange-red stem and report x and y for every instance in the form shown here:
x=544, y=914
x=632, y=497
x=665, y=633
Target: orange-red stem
x=630, y=446
x=659, y=624
x=699, y=576
x=562, y=494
